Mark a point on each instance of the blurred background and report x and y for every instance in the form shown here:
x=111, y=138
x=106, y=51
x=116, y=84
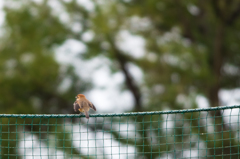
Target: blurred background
x=125, y=55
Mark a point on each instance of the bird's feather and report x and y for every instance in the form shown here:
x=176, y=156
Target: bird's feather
x=92, y=106
x=76, y=106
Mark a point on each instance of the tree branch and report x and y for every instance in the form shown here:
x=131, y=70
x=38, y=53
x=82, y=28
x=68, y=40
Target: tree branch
x=131, y=84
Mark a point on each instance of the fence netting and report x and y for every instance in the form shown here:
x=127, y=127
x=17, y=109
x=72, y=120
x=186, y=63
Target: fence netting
x=192, y=133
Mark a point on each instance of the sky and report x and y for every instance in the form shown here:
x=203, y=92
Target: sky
x=1, y=15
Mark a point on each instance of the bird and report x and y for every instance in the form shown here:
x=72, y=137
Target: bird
x=83, y=105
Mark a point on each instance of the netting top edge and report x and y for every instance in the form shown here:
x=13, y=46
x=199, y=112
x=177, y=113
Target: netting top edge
x=116, y=114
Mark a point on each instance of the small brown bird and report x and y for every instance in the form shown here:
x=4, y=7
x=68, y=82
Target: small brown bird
x=83, y=105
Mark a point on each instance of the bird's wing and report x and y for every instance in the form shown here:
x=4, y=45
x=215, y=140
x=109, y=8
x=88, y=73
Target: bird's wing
x=76, y=106
x=92, y=106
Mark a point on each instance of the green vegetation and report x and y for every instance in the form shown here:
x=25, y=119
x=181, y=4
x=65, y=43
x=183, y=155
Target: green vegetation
x=191, y=49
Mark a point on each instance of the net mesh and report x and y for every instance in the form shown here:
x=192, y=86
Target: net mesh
x=191, y=133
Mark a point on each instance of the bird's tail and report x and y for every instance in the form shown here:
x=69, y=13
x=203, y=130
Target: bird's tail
x=86, y=114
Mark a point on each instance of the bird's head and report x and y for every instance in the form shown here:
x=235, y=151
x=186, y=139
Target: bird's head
x=79, y=96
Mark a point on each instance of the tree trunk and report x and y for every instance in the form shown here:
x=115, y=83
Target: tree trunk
x=222, y=131
x=129, y=81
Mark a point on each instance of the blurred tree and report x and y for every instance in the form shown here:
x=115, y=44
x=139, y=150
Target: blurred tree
x=30, y=77
x=191, y=49
x=197, y=55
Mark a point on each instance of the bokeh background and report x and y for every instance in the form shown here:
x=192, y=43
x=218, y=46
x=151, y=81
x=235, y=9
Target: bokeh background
x=124, y=55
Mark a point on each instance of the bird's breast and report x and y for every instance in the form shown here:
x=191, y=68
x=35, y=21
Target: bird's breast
x=81, y=110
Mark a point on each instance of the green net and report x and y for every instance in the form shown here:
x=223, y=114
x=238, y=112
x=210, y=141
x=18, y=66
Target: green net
x=191, y=133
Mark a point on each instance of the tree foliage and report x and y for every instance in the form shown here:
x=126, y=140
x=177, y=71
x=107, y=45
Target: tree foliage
x=191, y=49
